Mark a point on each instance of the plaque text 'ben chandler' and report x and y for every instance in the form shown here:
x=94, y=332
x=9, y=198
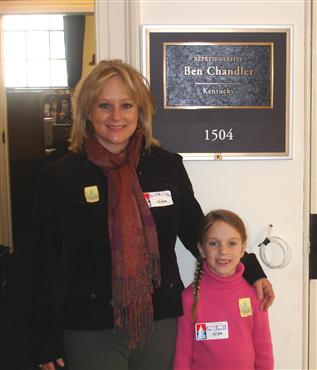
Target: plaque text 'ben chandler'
x=216, y=71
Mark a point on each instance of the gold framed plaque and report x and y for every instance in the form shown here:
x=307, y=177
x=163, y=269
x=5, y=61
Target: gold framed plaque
x=221, y=92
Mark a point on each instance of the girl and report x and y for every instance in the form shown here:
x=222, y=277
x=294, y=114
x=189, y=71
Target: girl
x=222, y=326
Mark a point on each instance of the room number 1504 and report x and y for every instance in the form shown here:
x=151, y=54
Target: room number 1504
x=218, y=135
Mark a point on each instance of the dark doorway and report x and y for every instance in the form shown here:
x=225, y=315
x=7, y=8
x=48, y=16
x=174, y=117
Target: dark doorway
x=26, y=153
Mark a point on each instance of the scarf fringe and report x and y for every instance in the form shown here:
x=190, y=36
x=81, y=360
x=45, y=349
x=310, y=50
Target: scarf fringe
x=135, y=317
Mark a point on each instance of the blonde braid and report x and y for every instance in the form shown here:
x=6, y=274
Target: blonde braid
x=198, y=275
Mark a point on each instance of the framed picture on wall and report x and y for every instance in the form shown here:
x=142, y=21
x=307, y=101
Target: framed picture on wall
x=221, y=92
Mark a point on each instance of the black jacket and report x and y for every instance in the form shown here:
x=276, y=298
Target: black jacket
x=71, y=276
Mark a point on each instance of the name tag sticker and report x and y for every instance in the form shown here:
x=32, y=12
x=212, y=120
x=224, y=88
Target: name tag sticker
x=91, y=194
x=245, y=307
x=211, y=330
x=159, y=198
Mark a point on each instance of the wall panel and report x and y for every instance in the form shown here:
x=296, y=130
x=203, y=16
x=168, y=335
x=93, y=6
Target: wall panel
x=263, y=192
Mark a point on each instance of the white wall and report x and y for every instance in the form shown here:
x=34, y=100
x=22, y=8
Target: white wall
x=264, y=191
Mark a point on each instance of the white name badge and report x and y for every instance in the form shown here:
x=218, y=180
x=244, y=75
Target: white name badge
x=211, y=330
x=159, y=198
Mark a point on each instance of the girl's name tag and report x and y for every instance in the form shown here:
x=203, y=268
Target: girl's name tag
x=159, y=198
x=211, y=330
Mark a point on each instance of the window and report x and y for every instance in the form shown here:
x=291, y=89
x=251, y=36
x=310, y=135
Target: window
x=34, y=51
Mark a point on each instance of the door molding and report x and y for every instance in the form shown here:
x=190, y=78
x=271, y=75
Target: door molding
x=117, y=30
x=312, y=112
x=5, y=203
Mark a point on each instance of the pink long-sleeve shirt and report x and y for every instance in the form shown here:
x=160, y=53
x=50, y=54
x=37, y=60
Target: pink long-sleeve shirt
x=230, y=332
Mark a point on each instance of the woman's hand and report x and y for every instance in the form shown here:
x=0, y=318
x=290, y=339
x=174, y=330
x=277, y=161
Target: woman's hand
x=265, y=293
x=51, y=366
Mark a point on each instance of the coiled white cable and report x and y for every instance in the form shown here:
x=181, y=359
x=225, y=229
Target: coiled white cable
x=272, y=242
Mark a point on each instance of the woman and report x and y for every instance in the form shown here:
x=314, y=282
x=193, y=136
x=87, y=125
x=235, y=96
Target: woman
x=106, y=221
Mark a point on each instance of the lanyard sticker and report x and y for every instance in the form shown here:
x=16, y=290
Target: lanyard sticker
x=245, y=307
x=159, y=198
x=91, y=194
x=211, y=330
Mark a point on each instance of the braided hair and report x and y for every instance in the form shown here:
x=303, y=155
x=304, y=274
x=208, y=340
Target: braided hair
x=197, y=277
x=228, y=217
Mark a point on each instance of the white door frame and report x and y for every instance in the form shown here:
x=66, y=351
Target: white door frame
x=312, y=334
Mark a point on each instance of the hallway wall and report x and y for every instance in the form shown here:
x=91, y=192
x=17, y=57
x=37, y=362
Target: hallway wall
x=263, y=192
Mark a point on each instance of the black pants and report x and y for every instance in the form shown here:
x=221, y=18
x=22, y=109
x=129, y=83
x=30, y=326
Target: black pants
x=107, y=350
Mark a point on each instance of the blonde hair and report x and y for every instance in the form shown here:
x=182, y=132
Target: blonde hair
x=89, y=90
x=228, y=217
